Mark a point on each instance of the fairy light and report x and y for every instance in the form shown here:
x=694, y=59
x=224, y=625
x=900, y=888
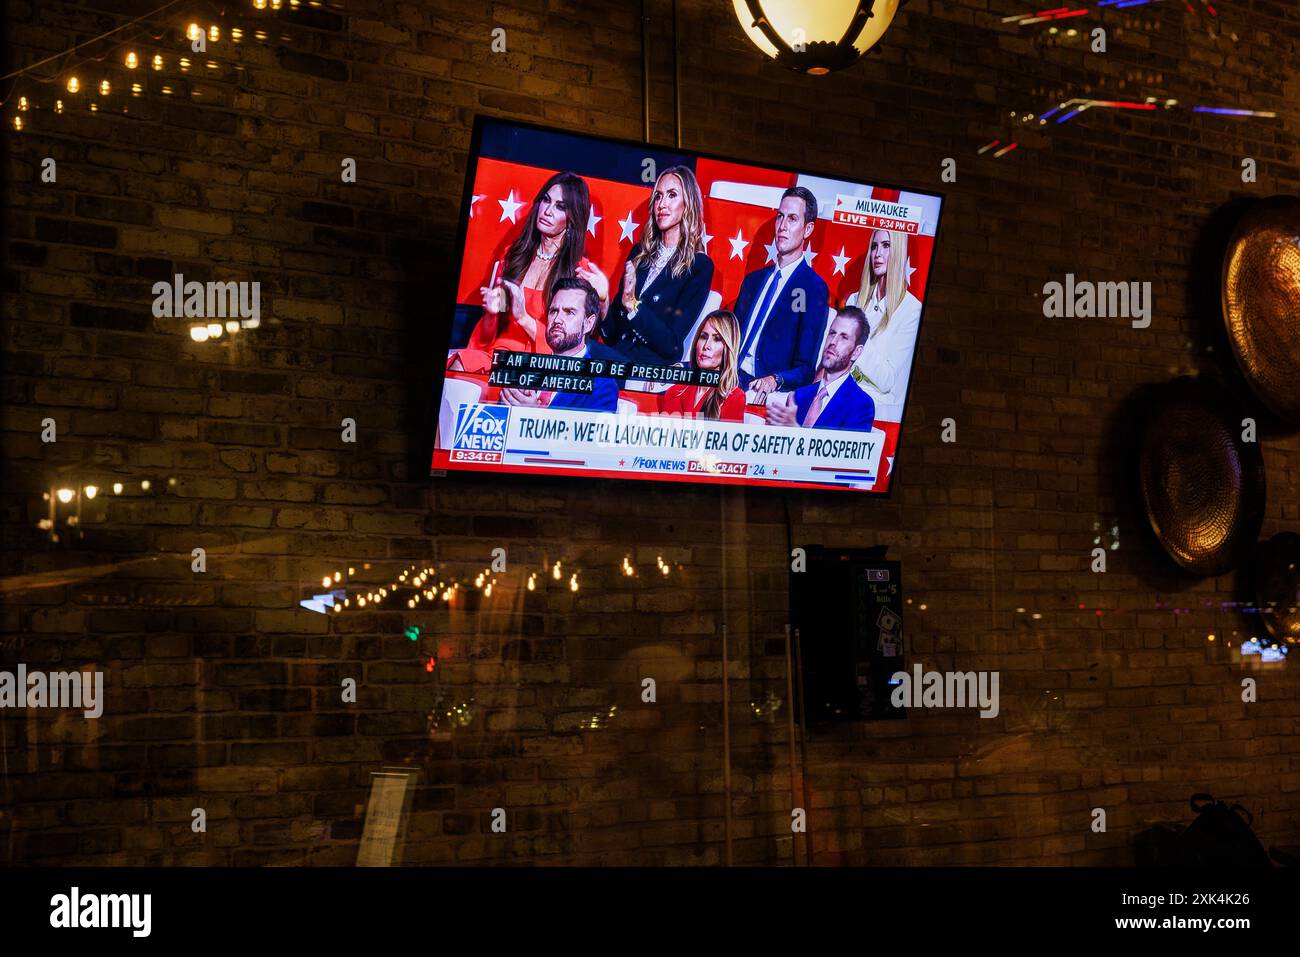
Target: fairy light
x=351, y=571
x=65, y=495
x=193, y=32
x=91, y=491
x=117, y=488
x=573, y=582
x=136, y=89
x=337, y=576
x=325, y=582
x=214, y=33
x=532, y=582
x=157, y=61
x=236, y=34
x=104, y=88
x=555, y=572
x=73, y=84
x=94, y=107
x=22, y=103
x=58, y=106
x=132, y=61
x=145, y=485
x=259, y=4
x=488, y=590
x=18, y=122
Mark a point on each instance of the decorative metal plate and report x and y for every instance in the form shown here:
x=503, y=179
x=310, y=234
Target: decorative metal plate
x=1203, y=487
x=1277, y=585
x=1261, y=302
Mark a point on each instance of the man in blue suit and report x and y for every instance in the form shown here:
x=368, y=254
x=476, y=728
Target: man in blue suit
x=836, y=401
x=573, y=314
x=782, y=307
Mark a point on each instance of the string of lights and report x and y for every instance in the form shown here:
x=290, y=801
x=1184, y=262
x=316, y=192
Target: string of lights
x=127, y=60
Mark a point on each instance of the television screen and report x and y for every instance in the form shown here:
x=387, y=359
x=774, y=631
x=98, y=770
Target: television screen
x=630, y=311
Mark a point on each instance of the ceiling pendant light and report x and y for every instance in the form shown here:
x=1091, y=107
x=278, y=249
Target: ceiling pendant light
x=816, y=38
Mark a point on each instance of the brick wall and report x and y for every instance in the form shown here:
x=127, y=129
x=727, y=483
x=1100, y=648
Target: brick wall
x=223, y=694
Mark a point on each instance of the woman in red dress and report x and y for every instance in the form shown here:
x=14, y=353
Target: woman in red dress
x=549, y=247
x=715, y=349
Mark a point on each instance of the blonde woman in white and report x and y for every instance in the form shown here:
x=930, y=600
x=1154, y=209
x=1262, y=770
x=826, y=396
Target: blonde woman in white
x=894, y=315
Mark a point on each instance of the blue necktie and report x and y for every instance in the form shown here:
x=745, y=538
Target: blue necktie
x=758, y=316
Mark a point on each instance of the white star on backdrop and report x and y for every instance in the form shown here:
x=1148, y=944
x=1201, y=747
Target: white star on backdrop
x=889, y=459
x=840, y=262
x=591, y=223
x=910, y=269
x=474, y=199
x=738, y=245
x=771, y=252
x=705, y=237
x=627, y=228
x=809, y=255
x=509, y=207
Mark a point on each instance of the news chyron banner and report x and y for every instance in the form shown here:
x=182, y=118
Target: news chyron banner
x=777, y=355
x=571, y=441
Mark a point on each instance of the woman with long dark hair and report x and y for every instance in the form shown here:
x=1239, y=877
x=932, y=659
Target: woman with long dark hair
x=549, y=247
x=714, y=349
x=666, y=281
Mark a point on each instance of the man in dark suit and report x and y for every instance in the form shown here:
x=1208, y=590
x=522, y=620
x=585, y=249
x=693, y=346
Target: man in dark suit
x=782, y=307
x=836, y=401
x=573, y=314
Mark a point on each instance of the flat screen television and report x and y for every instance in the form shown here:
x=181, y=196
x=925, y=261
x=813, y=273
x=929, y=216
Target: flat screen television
x=632, y=311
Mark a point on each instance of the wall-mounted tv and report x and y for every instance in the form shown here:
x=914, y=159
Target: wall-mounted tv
x=633, y=311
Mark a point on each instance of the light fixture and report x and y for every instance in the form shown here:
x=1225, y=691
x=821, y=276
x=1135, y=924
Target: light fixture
x=199, y=333
x=73, y=84
x=214, y=33
x=65, y=495
x=22, y=103
x=816, y=38
x=104, y=88
x=157, y=61
x=193, y=32
x=91, y=491
x=117, y=488
x=144, y=486
x=132, y=61
x=214, y=329
x=18, y=122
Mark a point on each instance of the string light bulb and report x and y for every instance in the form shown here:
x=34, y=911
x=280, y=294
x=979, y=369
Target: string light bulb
x=18, y=122
x=325, y=582
x=73, y=84
x=104, y=88
x=132, y=61
x=259, y=4
x=573, y=582
x=58, y=106
x=532, y=582
x=214, y=33
x=65, y=495
x=117, y=488
x=193, y=32
x=555, y=572
x=145, y=485
x=157, y=61
x=91, y=491
x=22, y=103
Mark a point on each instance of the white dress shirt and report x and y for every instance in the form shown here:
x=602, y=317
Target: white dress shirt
x=780, y=277
x=886, y=359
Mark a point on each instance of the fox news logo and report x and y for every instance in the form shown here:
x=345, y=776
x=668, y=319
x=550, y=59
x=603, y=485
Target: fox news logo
x=480, y=433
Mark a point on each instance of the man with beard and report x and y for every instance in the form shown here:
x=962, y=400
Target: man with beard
x=835, y=401
x=573, y=313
